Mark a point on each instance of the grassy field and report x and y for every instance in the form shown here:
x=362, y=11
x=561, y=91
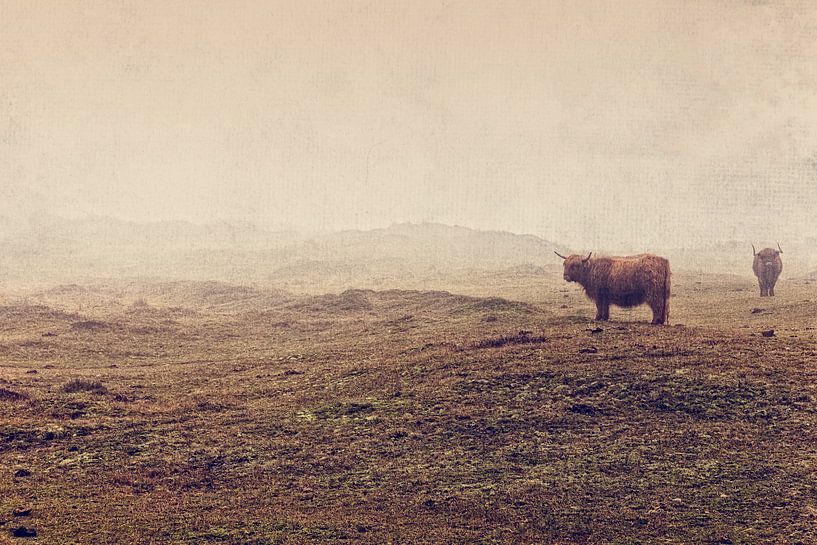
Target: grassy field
x=204, y=413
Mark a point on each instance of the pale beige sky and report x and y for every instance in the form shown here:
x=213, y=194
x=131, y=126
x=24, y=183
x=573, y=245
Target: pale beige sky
x=623, y=124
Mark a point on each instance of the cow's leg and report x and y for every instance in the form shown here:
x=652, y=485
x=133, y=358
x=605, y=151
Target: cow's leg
x=658, y=310
x=762, y=288
x=602, y=309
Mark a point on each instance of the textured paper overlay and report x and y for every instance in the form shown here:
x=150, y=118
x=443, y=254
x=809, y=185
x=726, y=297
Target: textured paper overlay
x=622, y=125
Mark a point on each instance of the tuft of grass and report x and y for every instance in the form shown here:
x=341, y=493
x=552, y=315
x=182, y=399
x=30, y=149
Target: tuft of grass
x=89, y=325
x=82, y=385
x=11, y=395
x=523, y=337
x=340, y=410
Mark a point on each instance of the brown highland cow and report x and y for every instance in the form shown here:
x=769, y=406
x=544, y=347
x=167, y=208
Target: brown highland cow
x=623, y=281
x=767, y=267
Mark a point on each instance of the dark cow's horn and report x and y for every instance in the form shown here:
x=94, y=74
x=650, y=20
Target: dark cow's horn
x=586, y=259
x=754, y=252
x=560, y=255
x=779, y=248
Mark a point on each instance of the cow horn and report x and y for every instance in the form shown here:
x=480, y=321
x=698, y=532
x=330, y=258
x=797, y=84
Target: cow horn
x=779, y=248
x=754, y=252
x=560, y=255
x=586, y=259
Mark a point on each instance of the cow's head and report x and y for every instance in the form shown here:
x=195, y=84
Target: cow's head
x=768, y=256
x=575, y=266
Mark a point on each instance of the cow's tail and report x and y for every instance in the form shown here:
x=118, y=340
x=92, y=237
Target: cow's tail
x=667, y=275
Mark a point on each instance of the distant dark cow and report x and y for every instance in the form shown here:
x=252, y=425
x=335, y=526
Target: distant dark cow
x=767, y=267
x=623, y=281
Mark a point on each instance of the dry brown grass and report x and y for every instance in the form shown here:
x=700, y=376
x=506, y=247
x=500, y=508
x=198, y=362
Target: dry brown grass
x=11, y=395
x=411, y=417
x=82, y=385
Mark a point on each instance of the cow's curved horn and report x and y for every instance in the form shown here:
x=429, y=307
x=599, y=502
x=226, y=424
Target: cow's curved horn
x=586, y=259
x=754, y=252
x=560, y=255
x=779, y=248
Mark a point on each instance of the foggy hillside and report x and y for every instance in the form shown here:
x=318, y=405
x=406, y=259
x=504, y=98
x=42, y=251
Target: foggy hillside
x=799, y=257
x=49, y=250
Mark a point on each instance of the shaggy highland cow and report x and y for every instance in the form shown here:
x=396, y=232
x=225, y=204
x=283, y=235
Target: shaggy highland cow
x=767, y=267
x=623, y=281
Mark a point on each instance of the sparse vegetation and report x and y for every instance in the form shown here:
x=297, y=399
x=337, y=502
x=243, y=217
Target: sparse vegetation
x=410, y=417
x=88, y=325
x=11, y=395
x=82, y=385
x=523, y=337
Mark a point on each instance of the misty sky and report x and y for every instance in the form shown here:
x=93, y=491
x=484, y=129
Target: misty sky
x=624, y=124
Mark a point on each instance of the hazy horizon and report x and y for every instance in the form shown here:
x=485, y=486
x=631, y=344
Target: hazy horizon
x=632, y=125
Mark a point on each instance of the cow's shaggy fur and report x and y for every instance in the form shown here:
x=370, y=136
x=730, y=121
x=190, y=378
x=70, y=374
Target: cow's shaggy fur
x=623, y=281
x=767, y=267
